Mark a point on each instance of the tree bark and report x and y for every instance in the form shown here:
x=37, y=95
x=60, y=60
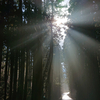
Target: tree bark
x=11, y=73
x=6, y=74
x=26, y=77
x=15, y=74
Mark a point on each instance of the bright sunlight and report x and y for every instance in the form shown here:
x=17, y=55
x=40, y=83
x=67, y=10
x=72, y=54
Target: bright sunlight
x=60, y=21
x=65, y=96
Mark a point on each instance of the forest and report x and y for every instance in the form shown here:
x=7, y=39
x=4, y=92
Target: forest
x=30, y=30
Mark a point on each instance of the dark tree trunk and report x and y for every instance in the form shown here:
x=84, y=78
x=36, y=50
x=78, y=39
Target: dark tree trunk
x=37, y=74
x=21, y=76
x=6, y=74
x=27, y=64
x=19, y=79
x=33, y=85
x=11, y=73
x=1, y=32
x=15, y=74
x=0, y=57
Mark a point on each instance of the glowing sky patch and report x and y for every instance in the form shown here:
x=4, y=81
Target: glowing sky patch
x=65, y=2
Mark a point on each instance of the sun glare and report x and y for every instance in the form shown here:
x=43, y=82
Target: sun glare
x=65, y=96
x=60, y=21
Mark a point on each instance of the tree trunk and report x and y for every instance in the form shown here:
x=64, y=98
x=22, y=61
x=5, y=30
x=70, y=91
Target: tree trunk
x=11, y=73
x=0, y=57
x=22, y=73
x=6, y=74
x=27, y=64
x=15, y=74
